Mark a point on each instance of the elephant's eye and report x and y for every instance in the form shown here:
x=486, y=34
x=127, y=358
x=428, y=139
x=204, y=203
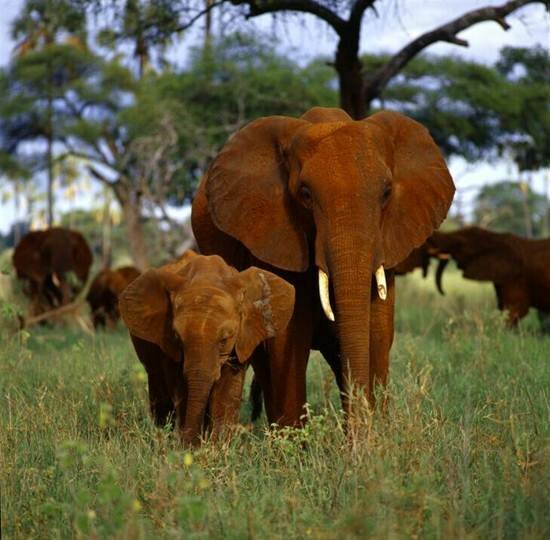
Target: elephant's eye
x=224, y=343
x=386, y=192
x=305, y=195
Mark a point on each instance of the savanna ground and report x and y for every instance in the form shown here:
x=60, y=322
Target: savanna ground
x=463, y=450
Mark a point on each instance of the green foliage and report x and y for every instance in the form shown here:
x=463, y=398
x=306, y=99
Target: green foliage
x=461, y=451
x=87, y=223
x=505, y=206
x=478, y=111
x=529, y=71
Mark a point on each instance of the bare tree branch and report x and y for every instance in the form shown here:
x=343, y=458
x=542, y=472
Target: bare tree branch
x=100, y=176
x=259, y=7
x=188, y=24
x=358, y=10
x=447, y=33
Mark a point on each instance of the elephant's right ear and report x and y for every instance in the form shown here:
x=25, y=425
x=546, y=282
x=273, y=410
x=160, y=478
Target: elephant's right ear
x=146, y=309
x=247, y=192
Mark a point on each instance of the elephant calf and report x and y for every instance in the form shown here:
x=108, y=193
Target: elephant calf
x=195, y=323
x=104, y=292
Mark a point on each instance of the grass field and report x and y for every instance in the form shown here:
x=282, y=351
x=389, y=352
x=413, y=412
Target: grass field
x=463, y=450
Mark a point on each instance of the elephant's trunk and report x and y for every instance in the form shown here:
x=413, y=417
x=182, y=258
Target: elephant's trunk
x=198, y=386
x=439, y=274
x=351, y=274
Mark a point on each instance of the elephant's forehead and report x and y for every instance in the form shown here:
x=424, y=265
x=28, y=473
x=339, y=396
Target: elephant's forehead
x=207, y=299
x=345, y=136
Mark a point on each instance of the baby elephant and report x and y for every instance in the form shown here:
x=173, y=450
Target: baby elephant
x=104, y=292
x=195, y=324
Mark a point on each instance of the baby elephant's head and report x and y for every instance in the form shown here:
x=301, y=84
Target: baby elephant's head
x=204, y=313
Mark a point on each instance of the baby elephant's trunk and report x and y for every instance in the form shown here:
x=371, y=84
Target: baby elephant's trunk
x=199, y=387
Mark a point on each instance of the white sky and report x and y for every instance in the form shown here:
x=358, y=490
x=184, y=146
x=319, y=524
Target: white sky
x=398, y=22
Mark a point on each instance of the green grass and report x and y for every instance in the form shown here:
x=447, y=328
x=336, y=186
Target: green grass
x=462, y=451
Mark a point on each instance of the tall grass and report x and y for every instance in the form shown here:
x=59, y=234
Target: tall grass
x=463, y=449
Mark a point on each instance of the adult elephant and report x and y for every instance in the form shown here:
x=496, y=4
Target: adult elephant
x=419, y=257
x=104, y=292
x=45, y=259
x=325, y=202
x=194, y=324
x=519, y=268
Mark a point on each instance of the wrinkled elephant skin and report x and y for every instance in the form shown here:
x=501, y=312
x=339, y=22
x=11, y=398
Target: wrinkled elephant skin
x=195, y=323
x=327, y=203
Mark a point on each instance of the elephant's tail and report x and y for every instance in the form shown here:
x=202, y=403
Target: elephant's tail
x=255, y=399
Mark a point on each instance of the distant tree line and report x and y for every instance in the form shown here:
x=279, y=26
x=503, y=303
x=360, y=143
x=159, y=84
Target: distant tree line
x=110, y=106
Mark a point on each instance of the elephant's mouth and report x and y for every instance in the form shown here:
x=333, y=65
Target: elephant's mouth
x=324, y=293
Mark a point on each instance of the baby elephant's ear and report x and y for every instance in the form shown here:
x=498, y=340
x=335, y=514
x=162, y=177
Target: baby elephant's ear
x=146, y=309
x=267, y=308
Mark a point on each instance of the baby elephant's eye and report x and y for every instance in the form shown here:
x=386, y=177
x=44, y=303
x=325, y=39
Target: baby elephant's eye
x=305, y=196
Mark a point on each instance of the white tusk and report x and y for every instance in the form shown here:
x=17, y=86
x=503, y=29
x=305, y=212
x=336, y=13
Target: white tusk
x=55, y=280
x=381, y=282
x=324, y=295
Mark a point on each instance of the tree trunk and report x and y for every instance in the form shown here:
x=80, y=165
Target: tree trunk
x=106, y=231
x=49, y=159
x=17, y=201
x=208, y=24
x=130, y=203
x=351, y=82
x=49, y=150
x=546, y=215
x=526, y=188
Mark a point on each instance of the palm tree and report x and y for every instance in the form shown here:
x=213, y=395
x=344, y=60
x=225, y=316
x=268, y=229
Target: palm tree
x=41, y=25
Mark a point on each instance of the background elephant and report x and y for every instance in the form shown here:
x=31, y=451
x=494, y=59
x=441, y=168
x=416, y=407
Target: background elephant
x=417, y=258
x=45, y=260
x=326, y=203
x=194, y=324
x=104, y=292
x=518, y=267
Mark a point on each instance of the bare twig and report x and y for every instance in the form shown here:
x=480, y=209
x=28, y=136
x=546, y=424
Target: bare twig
x=448, y=33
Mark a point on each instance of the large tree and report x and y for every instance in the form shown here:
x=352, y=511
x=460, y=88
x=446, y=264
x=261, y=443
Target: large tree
x=149, y=136
x=358, y=86
x=42, y=30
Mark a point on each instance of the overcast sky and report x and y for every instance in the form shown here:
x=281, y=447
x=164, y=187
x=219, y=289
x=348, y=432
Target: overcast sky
x=398, y=22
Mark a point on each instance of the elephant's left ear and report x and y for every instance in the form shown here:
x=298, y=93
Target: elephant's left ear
x=268, y=305
x=422, y=188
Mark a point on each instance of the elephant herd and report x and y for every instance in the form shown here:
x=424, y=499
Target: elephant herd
x=302, y=224
x=53, y=266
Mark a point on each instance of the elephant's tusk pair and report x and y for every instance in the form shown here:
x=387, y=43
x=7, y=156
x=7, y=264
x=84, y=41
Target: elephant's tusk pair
x=324, y=294
x=381, y=286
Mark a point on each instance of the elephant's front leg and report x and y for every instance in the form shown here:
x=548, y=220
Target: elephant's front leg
x=225, y=400
x=160, y=398
x=283, y=376
x=381, y=334
x=514, y=299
